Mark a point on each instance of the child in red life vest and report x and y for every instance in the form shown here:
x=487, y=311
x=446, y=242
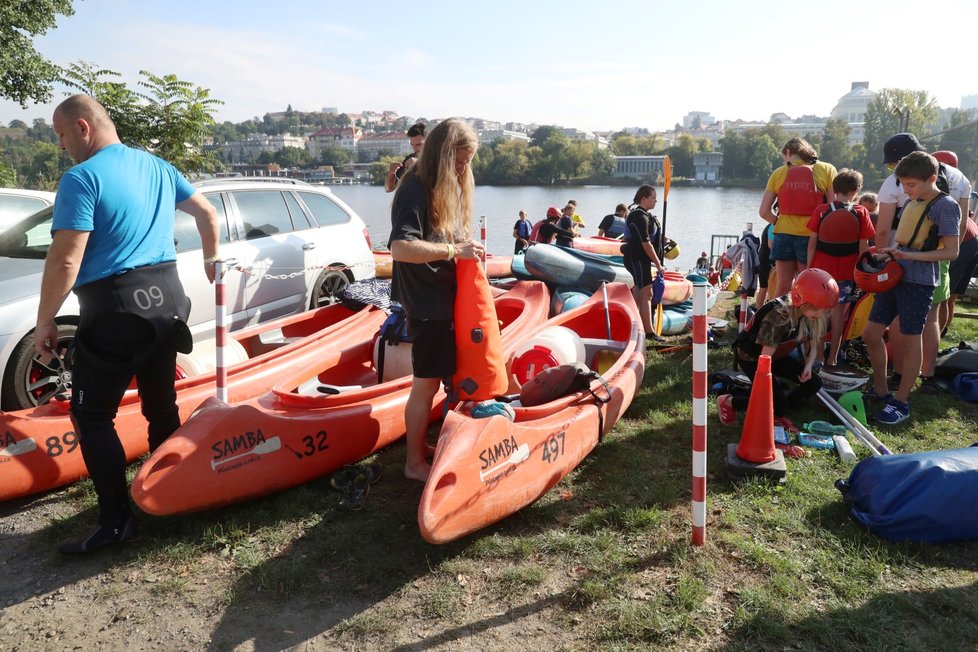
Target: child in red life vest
x=841, y=230
x=776, y=330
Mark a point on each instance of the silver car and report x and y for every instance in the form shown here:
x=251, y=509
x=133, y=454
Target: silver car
x=16, y=204
x=282, y=234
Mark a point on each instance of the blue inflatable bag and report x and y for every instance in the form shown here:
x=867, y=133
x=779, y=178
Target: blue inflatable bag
x=922, y=497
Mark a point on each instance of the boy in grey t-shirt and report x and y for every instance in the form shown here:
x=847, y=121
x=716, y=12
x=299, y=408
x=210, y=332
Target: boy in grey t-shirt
x=911, y=298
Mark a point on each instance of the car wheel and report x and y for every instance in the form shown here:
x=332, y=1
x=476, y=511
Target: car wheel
x=327, y=289
x=27, y=382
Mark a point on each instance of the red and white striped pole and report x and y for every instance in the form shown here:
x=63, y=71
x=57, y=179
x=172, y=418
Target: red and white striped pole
x=220, y=331
x=485, y=243
x=699, y=413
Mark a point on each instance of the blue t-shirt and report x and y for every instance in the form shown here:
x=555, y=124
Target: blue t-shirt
x=126, y=199
x=946, y=214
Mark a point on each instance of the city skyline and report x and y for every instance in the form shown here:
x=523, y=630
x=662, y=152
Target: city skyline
x=598, y=68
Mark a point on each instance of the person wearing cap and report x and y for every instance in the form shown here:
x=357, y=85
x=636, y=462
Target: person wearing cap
x=891, y=196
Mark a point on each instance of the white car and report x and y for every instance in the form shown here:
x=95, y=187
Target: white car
x=16, y=204
x=281, y=233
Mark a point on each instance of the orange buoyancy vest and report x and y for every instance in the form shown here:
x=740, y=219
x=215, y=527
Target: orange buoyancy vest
x=798, y=194
x=480, y=371
x=838, y=230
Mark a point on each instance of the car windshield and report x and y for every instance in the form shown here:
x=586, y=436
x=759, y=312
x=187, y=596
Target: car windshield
x=29, y=238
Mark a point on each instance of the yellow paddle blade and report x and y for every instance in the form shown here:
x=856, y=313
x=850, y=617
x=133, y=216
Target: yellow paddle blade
x=667, y=176
x=658, y=319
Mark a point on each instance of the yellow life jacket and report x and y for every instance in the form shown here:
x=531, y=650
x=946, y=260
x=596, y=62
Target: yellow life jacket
x=914, y=230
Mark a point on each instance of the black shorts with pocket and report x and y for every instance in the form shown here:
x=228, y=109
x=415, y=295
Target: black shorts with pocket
x=433, y=347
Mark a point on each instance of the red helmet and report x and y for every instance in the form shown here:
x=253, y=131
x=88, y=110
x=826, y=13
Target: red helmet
x=553, y=212
x=815, y=287
x=946, y=157
x=877, y=273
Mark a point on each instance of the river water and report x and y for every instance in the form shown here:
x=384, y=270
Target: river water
x=692, y=216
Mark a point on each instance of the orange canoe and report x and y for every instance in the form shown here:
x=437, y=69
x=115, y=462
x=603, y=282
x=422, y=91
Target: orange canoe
x=598, y=245
x=39, y=449
x=295, y=433
x=486, y=469
x=496, y=266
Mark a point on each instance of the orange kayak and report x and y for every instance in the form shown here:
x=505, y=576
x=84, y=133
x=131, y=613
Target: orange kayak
x=496, y=266
x=486, y=469
x=598, y=245
x=39, y=449
x=295, y=433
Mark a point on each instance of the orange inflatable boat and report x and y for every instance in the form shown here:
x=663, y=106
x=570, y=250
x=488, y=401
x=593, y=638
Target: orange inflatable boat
x=227, y=453
x=496, y=266
x=486, y=469
x=39, y=449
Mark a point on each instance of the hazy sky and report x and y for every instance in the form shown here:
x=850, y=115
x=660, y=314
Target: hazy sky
x=594, y=65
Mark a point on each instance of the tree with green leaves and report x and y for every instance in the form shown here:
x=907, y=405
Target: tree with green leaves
x=834, y=145
x=293, y=157
x=8, y=177
x=334, y=155
x=765, y=157
x=170, y=118
x=892, y=111
x=24, y=74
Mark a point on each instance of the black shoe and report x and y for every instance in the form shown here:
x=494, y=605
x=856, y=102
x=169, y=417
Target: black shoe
x=931, y=385
x=101, y=537
x=345, y=476
x=652, y=337
x=355, y=494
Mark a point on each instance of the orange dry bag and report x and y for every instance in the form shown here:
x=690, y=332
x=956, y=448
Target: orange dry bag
x=480, y=371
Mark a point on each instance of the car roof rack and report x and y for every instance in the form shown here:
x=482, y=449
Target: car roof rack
x=212, y=182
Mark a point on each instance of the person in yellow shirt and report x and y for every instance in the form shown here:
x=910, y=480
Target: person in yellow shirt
x=575, y=218
x=799, y=186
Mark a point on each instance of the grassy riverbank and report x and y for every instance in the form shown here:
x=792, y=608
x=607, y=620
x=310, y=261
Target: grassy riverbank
x=602, y=561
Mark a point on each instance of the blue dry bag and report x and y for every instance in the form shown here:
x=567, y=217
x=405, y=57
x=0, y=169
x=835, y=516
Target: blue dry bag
x=924, y=497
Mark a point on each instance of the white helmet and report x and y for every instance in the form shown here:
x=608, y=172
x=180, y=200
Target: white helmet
x=842, y=378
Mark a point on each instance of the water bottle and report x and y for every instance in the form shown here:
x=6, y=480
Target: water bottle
x=825, y=428
x=843, y=448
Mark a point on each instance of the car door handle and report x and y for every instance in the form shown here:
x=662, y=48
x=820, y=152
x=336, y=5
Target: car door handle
x=309, y=246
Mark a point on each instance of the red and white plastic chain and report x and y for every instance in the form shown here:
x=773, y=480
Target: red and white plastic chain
x=300, y=272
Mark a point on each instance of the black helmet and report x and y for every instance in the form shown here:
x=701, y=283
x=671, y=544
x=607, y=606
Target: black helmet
x=899, y=146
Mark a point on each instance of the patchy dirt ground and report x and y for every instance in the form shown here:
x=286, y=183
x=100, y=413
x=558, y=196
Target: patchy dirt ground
x=146, y=595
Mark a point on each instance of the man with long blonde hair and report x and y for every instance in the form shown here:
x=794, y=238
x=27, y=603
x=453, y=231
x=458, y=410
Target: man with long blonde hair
x=431, y=226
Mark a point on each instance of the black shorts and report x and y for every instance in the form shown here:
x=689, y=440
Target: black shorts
x=433, y=347
x=763, y=264
x=640, y=269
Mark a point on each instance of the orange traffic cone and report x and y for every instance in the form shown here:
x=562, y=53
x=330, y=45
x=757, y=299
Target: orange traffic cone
x=756, y=453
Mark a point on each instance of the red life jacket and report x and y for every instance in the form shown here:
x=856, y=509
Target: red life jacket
x=535, y=231
x=480, y=368
x=838, y=230
x=798, y=194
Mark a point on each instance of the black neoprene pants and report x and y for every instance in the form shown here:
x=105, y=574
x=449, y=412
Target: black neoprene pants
x=96, y=392
x=786, y=368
